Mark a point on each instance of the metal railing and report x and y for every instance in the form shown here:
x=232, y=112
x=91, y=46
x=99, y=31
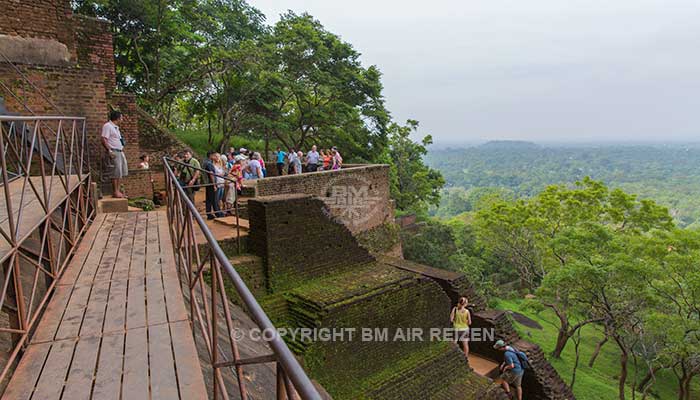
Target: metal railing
x=47, y=205
x=192, y=261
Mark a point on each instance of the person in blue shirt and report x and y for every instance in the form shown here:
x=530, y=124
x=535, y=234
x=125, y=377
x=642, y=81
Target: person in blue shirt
x=511, y=369
x=280, y=161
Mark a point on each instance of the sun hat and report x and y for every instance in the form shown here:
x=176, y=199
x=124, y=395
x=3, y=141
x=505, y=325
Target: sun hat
x=499, y=344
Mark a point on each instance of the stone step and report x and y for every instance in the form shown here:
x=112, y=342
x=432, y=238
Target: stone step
x=231, y=221
x=112, y=205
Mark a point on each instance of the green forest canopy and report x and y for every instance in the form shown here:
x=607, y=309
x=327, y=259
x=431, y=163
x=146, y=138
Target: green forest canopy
x=669, y=174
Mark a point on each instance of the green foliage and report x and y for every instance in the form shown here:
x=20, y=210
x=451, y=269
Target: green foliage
x=665, y=173
x=600, y=381
x=142, y=203
x=414, y=185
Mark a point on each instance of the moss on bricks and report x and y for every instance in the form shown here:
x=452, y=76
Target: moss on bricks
x=380, y=239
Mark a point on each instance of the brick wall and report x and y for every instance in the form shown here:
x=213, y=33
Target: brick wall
x=45, y=19
x=95, y=48
x=138, y=183
x=371, y=208
x=298, y=241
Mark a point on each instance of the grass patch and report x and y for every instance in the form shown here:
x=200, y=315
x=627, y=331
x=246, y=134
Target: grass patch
x=599, y=382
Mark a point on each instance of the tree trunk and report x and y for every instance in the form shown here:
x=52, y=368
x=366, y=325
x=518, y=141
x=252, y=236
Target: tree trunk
x=562, y=339
x=623, y=372
x=647, y=378
x=596, y=352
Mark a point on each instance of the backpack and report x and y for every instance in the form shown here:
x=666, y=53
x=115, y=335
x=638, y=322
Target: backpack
x=522, y=358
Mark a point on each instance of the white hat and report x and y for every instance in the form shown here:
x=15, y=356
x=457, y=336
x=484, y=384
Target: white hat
x=243, y=150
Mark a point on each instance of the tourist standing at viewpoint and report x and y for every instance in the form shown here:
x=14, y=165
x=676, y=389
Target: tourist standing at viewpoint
x=290, y=159
x=297, y=163
x=312, y=158
x=220, y=168
x=461, y=320
x=512, y=370
x=113, y=142
x=327, y=156
x=337, y=160
x=253, y=170
x=212, y=206
x=280, y=155
x=189, y=174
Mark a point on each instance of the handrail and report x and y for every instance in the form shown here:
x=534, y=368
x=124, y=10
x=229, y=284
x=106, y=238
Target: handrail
x=288, y=366
x=45, y=192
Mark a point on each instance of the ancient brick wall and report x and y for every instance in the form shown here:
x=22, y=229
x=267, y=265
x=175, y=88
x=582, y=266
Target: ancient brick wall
x=293, y=235
x=44, y=19
x=138, y=183
x=358, y=196
x=95, y=47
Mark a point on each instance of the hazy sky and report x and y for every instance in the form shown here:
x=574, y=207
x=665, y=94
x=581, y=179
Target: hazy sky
x=559, y=70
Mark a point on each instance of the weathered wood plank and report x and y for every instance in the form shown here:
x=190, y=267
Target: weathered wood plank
x=50, y=321
x=73, y=316
x=24, y=379
x=95, y=311
x=135, y=384
x=82, y=369
x=115, y=316
x=173, y=290
x=91, y=247
x=189, y=371
x=163, y=380
x=53, y=376
x=108, y=380
x=136, y=304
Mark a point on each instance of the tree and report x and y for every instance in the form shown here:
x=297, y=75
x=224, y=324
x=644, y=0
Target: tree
x=316, y=90
x=414, y=185
x=564, y=243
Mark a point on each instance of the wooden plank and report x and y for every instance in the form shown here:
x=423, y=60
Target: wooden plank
x=84, y=249
x=87, y=271
x=73, y=316
x=53, y=376
x=121, y=267
x=189, y=371
x=155, y=301
x=163, y=380
x=82, y=370
x=108, y=379
x=50, y=321
x=136, y=304
x=109, y=257
x=95, y=311
x=115, y=316
x=27, y=373
x=137, y=269
x=174, y=300
x=135, y=384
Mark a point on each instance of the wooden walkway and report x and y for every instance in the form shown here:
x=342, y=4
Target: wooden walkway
x=116, y=326
x=33, y=212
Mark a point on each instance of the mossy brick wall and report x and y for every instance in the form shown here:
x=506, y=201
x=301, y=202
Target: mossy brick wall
x=138, y=183
x=375, y=178
x=441, y=376
x=297, y=240
x=407, y=302
x=384, y=239
x=454, y=284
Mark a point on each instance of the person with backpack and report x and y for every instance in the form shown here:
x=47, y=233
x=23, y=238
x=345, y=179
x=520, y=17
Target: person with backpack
x=513, y=368
x=189, y=176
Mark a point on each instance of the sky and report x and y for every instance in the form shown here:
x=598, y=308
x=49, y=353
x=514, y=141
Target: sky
x=541, y=70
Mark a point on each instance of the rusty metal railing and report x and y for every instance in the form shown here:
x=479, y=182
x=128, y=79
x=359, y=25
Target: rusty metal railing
x=46, y=205
x=186, y=224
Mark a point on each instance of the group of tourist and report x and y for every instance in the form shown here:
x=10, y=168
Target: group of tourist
x=515, y=361
x=296, y=162
x=222, y=175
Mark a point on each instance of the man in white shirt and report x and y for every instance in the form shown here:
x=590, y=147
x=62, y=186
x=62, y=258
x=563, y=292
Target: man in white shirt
x=312, y=159
x=113, y=142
